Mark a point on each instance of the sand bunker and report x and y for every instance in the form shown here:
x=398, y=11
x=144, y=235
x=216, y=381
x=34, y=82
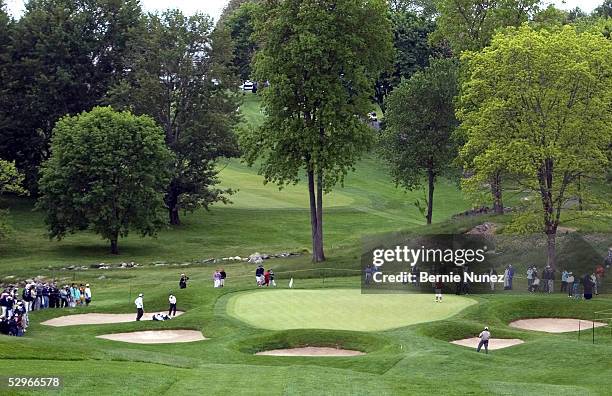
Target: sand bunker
x=311, y=351
x=156, y=336
x=554, y=325
x=494, y=343
x=98, y=318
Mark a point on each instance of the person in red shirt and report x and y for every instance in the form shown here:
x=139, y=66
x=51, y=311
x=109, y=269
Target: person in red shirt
x=267, y=278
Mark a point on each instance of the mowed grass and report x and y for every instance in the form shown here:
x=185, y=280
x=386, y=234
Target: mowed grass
x=339, y=309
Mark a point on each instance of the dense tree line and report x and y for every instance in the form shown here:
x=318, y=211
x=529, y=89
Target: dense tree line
x=444, y=73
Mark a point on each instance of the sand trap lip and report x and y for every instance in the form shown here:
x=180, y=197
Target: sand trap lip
x=155, y=336
x=98, y=318
x=310, y=351
x=554, y=325
x=494, y=343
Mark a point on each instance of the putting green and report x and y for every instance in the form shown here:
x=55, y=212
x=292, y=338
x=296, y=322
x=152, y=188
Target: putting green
x=339, y=309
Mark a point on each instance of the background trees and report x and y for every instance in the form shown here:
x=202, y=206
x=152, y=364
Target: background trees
x=538, y=102
x=321, y=59
x=417, y=142
x=180, y=74
x=10, y=182
x=64, y=55
x=107, y=172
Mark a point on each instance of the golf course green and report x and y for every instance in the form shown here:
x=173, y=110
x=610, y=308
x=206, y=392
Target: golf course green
x=339, y=309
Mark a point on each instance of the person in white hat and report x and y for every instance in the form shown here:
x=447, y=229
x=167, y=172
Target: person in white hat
x=484, y=336
x=139, y=306
x=87, y=294
x=172, y=302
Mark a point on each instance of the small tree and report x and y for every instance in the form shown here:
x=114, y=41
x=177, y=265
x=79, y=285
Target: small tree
x=11, y=181
x=107, y=172
x=321, y=59
x=540, y=104
x=420, y=118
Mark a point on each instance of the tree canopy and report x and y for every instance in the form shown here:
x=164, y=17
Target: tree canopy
x=539, y=102
x=107, y=172
x=180, y=74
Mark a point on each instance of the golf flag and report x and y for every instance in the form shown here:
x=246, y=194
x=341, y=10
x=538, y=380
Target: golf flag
x=291, y=283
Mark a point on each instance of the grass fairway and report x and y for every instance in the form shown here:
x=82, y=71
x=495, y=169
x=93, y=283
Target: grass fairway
x=339, y=309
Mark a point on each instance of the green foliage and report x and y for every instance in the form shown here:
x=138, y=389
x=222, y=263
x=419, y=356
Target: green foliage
x=538, y=103
x=470, y=24
x=412, y=50
x=64, y=56
x=418, y=143
x=10, y=182
x=107, y=172
x=180, y=75
x=240, y=24
x=320, y=59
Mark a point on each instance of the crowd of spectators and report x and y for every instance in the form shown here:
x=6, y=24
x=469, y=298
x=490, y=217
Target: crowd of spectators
x=34, y=296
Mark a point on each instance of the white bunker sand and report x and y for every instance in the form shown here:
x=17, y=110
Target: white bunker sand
x=554, y=325
x=98, y=318
x=494, y=343
x=156, y=336
x=311, y=351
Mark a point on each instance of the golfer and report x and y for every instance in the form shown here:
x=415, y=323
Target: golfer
x=438, y=289
x=484, y=336
x=172, y=301
x=139, y=307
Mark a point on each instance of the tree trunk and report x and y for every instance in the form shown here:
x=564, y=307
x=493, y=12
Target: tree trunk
x=580, y=207
x=320, y=255
x=315, y=214
x=496, y=193
x=551, y=258
x=114, y=245
x=172, y=198
x=430, y=195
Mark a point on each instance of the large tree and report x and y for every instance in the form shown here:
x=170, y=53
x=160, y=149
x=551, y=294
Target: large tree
x=417, y=142
x=321, y=58
x=64, y=56
x=107, y=172
x=539, y=102
x=180, y=74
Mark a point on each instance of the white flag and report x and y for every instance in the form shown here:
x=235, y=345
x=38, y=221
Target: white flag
x=291, y=283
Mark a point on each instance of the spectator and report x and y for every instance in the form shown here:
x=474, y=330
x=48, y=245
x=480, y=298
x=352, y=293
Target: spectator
x=81, y=295
x=549, y=276
x=259, y=275
x=438, y=286
x=183, y=281
x=587, y=286
x=570, y=284
x=594, y=283
x=564, y=276
x=508, y=276
x=368, y=274
x=576, y=289
x=87, y=294
x=74, y=296
x=223, y=276
x=272, y=281
x=529, y=277
x=535, y=284
x=267, y=278
x=216, y=278
x=64, y=297
x=492, y=273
